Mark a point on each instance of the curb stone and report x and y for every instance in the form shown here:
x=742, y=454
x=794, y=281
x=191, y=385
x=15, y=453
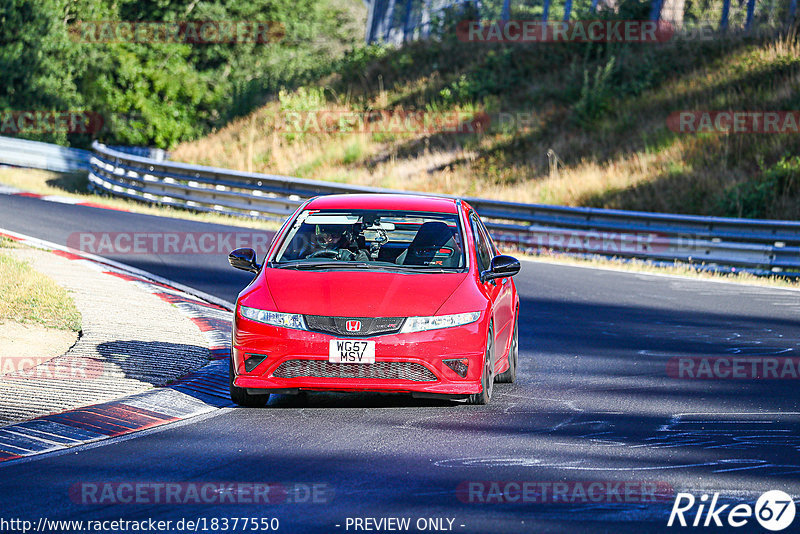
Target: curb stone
x=13, y=191
x=197, y=393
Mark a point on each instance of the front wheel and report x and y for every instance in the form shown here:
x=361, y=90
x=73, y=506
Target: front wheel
x=240, y=395
x=510, y=374
x=487, y=375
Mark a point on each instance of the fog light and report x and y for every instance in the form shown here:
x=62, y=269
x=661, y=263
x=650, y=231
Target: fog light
x=251, y=361
x=459, y=366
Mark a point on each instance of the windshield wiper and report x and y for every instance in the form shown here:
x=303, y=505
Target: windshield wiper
x=413, y=269
x=376, y=266
x=312, y=265
x=427, y=269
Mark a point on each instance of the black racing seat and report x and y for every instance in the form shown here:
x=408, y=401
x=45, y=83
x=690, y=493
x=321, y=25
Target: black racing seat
x=433, y=245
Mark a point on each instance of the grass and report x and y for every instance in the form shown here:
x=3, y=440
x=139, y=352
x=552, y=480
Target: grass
x=8, y=243
x=578, y=125
x=30, y=297
x=76, y=185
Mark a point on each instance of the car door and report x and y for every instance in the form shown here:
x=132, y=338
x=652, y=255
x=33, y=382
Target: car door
x=504, y=305
x=492, y=289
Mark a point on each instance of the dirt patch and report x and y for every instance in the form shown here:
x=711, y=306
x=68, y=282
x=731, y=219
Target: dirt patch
x=23, y=346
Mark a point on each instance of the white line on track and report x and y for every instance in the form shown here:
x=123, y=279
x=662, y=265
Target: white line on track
x=662, y=275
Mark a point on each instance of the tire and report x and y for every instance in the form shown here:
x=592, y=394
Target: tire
x=487, y=376
x=240, y=395
x=509, y=375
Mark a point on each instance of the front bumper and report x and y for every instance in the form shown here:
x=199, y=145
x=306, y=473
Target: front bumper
x=297, y=360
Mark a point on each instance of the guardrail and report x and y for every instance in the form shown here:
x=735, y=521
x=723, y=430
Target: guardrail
x=762, y=246
x=758, y=245
x=33, y=154
x=158, y=154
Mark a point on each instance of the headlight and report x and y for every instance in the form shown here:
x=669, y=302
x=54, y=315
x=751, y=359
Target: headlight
x=419, y=324
x=284, y=320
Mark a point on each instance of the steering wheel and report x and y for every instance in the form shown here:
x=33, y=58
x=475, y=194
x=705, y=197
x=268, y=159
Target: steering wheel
x=325, y=253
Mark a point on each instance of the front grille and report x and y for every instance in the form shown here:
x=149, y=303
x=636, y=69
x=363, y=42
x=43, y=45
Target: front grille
x=370, y=326
x=378, y=370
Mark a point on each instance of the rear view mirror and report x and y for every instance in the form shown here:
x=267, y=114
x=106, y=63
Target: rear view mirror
x=244, y=259
x=501, y=267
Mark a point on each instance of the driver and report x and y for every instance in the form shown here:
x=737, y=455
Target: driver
x=336, y=241
x=330, y=237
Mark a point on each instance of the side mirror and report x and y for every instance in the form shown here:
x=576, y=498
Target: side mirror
x=244, y=259
x=501, y=267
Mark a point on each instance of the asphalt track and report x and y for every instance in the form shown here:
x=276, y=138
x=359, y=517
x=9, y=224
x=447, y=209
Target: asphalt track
x=594, y=402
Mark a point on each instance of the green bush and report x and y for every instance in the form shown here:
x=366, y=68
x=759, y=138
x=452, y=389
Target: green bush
x=596, y=93
x=756, y=197
x=160, y=93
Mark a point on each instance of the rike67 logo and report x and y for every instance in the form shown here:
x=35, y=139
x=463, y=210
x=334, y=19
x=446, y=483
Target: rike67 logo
x=774, y=510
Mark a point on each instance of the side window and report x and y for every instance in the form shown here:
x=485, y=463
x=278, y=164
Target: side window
x=482, y=246
x=488, y=237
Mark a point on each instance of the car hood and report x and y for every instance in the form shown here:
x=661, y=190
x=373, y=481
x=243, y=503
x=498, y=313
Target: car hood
x=360, y=294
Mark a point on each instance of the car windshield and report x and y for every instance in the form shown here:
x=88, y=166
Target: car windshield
x=394, y=240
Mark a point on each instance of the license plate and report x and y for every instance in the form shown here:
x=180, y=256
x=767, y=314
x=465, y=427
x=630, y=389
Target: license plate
x=351, y=351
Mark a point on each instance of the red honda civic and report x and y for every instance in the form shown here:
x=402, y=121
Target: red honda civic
x=380, y=293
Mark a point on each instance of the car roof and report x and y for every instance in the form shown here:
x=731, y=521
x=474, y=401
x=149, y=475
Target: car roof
x=385, y=201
